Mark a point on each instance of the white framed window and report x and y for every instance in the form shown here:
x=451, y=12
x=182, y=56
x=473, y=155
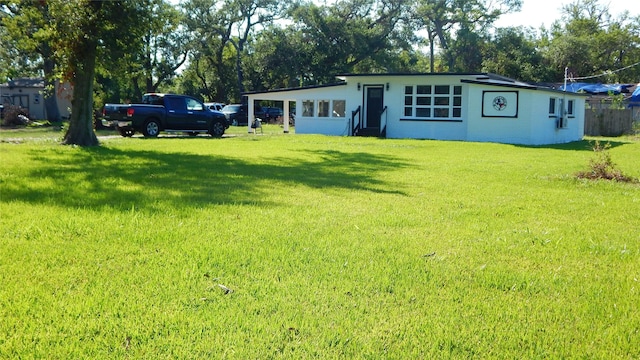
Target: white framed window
x=433, y=102
x=552, y=106
x=339, y=108
x=307, y=108
x=323, y=108
x=571, y=108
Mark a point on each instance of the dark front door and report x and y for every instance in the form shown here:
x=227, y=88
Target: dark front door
x=374, y=104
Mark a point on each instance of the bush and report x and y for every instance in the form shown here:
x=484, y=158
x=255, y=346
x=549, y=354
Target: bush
x=15, y=116
x=602, y=167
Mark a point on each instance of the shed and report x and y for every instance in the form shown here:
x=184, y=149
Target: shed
x=28, y=93
x=444, y=106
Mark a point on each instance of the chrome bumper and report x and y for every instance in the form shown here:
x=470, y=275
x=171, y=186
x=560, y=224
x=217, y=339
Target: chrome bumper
x=116, y=123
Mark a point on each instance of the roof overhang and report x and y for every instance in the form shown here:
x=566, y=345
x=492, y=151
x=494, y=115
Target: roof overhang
x=342, y=83
x=516, y=84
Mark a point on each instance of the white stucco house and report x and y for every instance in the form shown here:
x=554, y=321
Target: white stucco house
x=444, y=106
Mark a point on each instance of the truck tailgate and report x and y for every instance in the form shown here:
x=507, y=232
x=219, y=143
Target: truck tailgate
x=114, y=111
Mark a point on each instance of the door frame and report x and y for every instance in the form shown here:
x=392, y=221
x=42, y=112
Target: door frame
x=365, y=104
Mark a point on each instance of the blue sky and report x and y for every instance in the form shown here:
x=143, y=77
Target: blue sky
x=536, y=13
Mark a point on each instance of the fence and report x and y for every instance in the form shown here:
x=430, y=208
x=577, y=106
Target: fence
x=608, y=122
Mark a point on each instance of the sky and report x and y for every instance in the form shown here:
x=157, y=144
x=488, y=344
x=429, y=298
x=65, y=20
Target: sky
x=536, y=13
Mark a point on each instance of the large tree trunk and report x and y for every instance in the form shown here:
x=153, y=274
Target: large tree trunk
x=432, y=53
x=80, y=130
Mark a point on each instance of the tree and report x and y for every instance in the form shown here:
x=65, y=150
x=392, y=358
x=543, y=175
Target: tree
x=278, y=59
x=442, y=20
x=165, y=48
x=465, y=54
x=362, y=35
x=26, y=50
x=80, y=32
x=207, y=72
x=248, y=14
x=513, y=52
x=590, y=42
x=219, y=27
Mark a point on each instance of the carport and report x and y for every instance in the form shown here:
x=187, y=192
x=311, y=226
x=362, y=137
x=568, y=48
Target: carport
x=308, y=120
x=270, y=96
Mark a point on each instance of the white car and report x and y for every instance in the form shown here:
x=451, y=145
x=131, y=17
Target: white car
x=214, y=106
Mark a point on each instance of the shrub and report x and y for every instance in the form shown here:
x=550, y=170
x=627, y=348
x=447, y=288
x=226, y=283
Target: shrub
x=602, y=167
x=15, y=115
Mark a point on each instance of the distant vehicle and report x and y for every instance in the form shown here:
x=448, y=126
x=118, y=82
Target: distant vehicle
x=271, y=113
x=164, y=112
x=214, y=106
x=237, y=114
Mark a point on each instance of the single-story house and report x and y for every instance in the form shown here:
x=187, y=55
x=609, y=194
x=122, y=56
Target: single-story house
x=28, y=93
x=443, y=106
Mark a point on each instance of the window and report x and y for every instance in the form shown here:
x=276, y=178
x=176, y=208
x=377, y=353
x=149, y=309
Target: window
x=408, y=101
x=307, y=108
x=570, y=108
x=175, y=103
x=323, y=108
x=552, y=106
x=339, y=108
x=433, y=102
x=194, y=105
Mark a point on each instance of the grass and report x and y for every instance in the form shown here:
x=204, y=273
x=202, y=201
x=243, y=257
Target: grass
x=332, y=247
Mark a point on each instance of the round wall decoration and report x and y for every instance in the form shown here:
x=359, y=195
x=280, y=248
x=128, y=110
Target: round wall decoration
x=499, y=103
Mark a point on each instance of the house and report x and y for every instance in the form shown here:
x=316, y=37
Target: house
x=443, y=106
x=28, y=93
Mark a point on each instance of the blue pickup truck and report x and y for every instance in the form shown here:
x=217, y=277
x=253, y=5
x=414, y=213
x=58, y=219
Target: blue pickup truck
x=164, y=112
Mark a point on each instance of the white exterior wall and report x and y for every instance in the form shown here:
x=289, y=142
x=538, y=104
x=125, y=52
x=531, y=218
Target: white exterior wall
x=515, y=130
x=533, y=124
x=315, y=124
x=543, y=125
x=33, y=99
x=326, y=125
x=64, y=93
x=35, y=105
x=397, y=124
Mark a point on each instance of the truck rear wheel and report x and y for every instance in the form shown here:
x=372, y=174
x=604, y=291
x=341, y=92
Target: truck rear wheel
x=217, y=129
x=151, y=128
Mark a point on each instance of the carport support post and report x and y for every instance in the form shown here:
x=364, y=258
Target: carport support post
x=285, y=115
x=250, y=115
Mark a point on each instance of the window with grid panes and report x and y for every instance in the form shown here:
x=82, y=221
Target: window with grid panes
x=432, y=102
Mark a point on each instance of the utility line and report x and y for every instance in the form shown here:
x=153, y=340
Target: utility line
x=603, y=74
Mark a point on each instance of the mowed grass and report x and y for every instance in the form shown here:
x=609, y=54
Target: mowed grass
x=332, y=247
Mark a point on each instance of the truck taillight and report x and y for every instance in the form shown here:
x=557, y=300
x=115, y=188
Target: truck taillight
x=104, y=112
x=130, y=112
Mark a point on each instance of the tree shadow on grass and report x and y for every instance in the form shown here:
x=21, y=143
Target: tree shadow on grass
x=582, y=145
x=106, y=177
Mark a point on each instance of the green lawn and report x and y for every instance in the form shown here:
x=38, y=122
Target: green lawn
x=332, y=247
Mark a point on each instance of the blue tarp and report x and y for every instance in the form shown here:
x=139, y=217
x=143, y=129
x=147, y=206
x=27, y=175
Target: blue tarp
x=635, y=97
x=595, y=88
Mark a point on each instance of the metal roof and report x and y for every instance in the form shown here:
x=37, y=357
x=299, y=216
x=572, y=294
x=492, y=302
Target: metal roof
x=24, y=83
